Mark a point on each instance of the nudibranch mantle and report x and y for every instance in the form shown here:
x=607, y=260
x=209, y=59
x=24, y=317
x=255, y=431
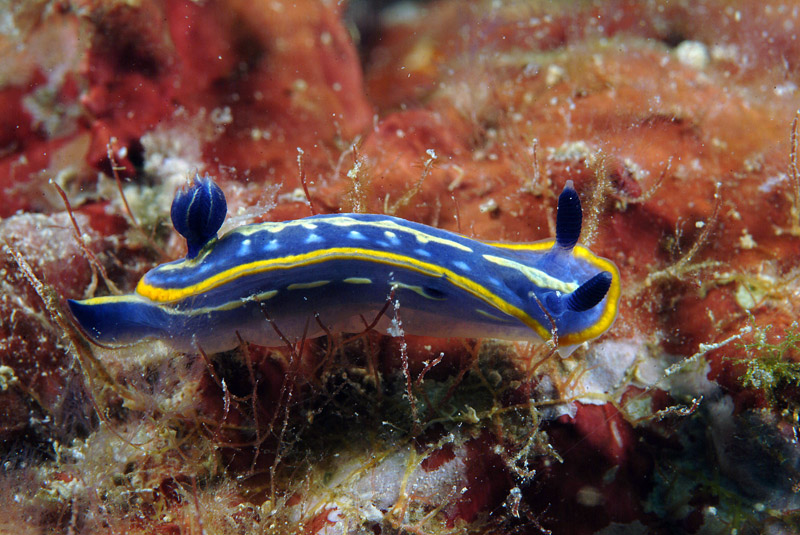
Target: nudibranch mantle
x=338, y=271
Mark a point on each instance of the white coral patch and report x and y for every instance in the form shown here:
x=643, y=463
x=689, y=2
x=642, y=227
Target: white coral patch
x=606, y=364
x=360, y=489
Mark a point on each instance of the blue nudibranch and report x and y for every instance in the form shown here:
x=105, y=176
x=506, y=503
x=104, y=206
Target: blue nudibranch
x=339, y=270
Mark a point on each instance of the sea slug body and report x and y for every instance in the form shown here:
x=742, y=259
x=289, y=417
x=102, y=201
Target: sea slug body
x=331, y=272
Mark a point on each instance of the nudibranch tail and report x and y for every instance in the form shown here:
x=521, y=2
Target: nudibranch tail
x=569, y=218
x=121, y=319
x=198, y=211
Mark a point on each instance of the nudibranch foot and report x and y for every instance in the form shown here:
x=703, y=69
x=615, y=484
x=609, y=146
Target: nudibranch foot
x=325, y=273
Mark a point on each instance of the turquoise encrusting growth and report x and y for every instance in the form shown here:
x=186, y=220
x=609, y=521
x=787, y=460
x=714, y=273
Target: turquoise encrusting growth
x=330, y=273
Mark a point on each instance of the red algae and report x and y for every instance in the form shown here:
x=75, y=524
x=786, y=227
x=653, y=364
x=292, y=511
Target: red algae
x=673, y=119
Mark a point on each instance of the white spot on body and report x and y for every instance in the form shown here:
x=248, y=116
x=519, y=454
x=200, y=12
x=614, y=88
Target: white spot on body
x=460, y=264
x=389, y=224
x=356, y=235
x=272, y=245
x=422, y=252
x=357, y=280
x=306, y=285
x=392, y=237
x=314, y=238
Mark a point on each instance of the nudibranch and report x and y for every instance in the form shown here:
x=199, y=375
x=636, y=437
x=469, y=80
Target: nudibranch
x=336, y=273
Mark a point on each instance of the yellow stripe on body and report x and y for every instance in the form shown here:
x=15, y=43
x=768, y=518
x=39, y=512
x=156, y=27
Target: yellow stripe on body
x=533, y=247
x=140, y=300
x=170, y=295
x=108, y=299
